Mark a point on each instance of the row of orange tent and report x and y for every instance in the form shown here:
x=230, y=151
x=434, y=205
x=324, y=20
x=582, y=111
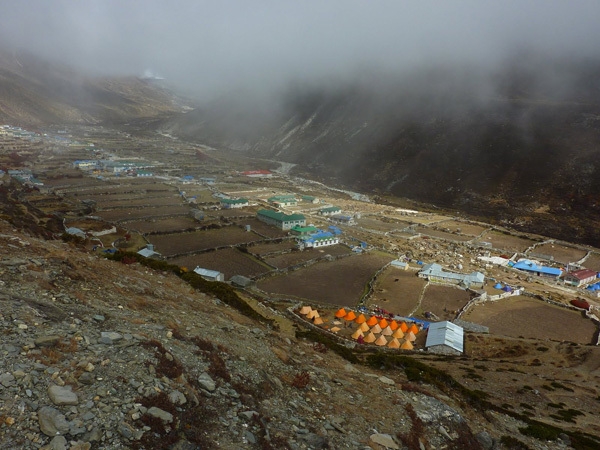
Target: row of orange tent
x=381, y=341
x=374, y=320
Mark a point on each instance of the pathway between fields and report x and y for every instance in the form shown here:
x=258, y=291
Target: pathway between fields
x=412, y=313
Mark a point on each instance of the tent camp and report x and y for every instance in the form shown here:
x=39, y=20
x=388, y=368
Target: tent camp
x=387, y=331
x=394, y=343
x=381, y=341
x=406, y=345
x=357, y=333
x=398, y=334
x=370, y=338
x=305, y=310
x=376, y=329
x=313, y=314
x=340, y=313
x=360, y=319
x=372, y=321
x=350, y=316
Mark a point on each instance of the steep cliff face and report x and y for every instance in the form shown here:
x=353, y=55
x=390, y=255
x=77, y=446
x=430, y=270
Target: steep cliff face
x=516, y=142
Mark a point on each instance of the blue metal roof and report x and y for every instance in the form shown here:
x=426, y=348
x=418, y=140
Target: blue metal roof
x=531, y=267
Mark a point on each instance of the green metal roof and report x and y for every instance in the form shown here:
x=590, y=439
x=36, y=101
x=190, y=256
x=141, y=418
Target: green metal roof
x=283, y=198
x=304, y=229
x=280, y=216
x=234, y=201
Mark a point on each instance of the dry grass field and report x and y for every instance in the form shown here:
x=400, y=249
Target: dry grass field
x=264, y=249
x=298, y=257
x=142, y=201
x=374, y=224
x=593, y=261
x=561, y=253
x=230, y=261
x=507, y=242
x=466, y=228
x=341, y=282
x=120, y=215
x=443, y=301
x=443, y=235
x=237, y=212
x=195, y=241
x=169, y=225
x=532, y=318
x=397, y=291
x=73, y=182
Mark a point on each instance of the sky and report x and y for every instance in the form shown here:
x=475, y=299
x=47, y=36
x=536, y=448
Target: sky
x=211, y=46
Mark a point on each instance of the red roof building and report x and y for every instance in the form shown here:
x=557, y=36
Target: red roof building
x=257, y=173
x=580, y=277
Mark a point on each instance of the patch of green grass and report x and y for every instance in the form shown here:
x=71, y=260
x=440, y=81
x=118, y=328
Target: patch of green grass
x=567, y=415
x=558, y=385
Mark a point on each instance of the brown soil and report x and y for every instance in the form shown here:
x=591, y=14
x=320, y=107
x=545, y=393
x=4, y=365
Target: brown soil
x=561, y=253
x=230, y=261
x=443, y=301
x=397, y=291
x=514, y=317
x=338, y=283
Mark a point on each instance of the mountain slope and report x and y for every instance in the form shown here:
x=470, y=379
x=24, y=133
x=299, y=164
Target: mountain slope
x=34, y=91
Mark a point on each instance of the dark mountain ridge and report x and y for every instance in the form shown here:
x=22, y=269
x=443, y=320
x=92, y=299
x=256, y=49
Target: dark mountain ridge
x=517, y=145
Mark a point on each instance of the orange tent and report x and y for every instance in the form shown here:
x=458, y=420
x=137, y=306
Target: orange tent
x=410, y=336
x=394, y=343
x=398, y=334
x=403, y=327
x=414, y=328
x=305, y=310
x=376, y=328
x=357, y=334
x=381, y=341
x=340, y=313
x=364, y=327
x=318, y=321
x=350, y=316
x=360, y=319
x=387, y=331
x=393, y=325
x=372, y=321
x=406, y=345
x=383, y=323
x=370, y=338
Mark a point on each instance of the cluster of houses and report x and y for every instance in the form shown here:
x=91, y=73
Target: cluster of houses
x=18, y=132
x=312, y=237
x=23, y=176
x=435, y=273
x=131, y=168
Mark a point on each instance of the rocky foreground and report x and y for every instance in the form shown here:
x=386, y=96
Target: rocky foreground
x=97, y=354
